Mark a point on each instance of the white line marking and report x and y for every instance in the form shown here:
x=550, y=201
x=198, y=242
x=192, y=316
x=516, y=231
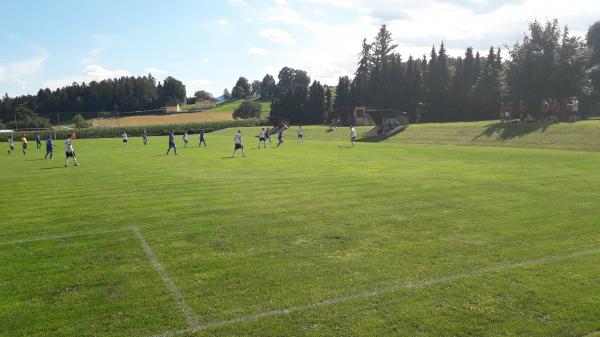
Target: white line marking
x=65, y=236
x=191, y=318
x=365, y=294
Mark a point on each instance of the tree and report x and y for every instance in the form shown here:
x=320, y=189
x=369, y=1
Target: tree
x=343, y=103
x=314, y=110
x=242, y=89
x=548, y=63
x=487, y=88
x=248, y=109
x=203, y=95
x=268, y=87
x=173, y=90
x=593, y=43
x=226, y=95
x=255, y=88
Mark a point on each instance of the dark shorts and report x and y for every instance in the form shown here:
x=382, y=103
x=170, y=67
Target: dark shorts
x=70, y=154
x=262, y=139
x=299, y=136
x=239, y=146
x=48, y=151
x=124, y=140
x=24, y=145
x=353, y=139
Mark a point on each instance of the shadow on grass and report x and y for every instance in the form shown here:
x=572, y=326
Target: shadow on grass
x=52, y=168
x=34, y=159
x=514, y=130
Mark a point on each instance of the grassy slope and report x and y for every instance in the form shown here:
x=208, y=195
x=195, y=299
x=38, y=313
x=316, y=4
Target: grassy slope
x=295, y=225
x=584, y=135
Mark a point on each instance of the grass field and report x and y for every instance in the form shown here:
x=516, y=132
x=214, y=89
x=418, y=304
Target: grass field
x=318, y=239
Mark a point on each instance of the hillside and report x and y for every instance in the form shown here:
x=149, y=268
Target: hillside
x=584, y=135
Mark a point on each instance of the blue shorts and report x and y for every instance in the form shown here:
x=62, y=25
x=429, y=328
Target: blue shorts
x=172, y=145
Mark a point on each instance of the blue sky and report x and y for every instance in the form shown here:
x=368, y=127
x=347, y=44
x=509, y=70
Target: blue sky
x=209, y=44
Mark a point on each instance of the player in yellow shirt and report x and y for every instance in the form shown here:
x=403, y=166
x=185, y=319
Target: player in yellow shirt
x=24, y=144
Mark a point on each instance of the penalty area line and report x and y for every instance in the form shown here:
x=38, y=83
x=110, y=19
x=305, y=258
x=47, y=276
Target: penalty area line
x=189, y=315
x=382, y=291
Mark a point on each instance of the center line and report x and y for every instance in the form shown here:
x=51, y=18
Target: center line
x=191, y=318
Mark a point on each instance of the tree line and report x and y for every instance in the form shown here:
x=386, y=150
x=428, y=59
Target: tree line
x=111, y=95
x=548, y=63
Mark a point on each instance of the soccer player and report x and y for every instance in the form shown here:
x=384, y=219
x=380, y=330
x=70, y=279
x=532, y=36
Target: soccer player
x=38, y=141
x=49, y=147
x=352, y=135
x=172, y=143
x=24, y=144
x=125, y=139
x=268, y=135
x=69, y=151
x=11, y=144
x=186, y=140
x=238, y=144
x=300, y=135
x=145, y=137
x=262, y=138
x=202, y=139
x=280, y=137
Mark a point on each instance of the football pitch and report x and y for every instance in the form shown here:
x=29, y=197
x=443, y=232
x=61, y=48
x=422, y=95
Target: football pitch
x=313, y=239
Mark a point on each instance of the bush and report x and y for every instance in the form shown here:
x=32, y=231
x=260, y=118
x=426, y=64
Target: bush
x=80, y=122
x=248, y=109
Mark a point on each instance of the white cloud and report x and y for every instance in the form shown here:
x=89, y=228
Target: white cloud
x=155, y=71
x=276, y=35
x=223, y=22
x=16, y=72
x=89, y=73
x=238, y=3
x=205, y=60
x=257, y=51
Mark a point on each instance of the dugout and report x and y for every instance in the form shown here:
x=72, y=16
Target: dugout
x=386, y=122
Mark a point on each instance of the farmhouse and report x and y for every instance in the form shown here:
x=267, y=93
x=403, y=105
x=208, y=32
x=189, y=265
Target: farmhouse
x=172, y=107
x=203, y=104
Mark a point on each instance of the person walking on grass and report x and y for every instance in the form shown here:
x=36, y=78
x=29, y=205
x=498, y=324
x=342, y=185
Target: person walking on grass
x=38, y=141
x=352, y=135
x=239, y=145
x=145, y=137
x=172, y=144
x=70, y=151
x=49, y=147
x=268, y=135
x=262, y=138
x=300, y=135
x=125, y=139
x=24, y=144
x=11, y=144
x=202, y=139
x=186, y=140
x=280, y=139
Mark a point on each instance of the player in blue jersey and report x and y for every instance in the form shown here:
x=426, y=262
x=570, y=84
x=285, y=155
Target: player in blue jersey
x=172, y=143
x=49, y=147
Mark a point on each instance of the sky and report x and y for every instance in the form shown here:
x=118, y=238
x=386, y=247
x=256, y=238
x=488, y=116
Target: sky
x=209, y=44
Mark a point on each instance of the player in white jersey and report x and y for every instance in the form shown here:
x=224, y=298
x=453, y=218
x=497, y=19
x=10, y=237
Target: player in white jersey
x=262, y=138
x=186, y=139
x=11, y=144
x=300, y=135
x=352, y=135
x=238, y=144
x=124, y=136
x=145, y=137
x=69, y=151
